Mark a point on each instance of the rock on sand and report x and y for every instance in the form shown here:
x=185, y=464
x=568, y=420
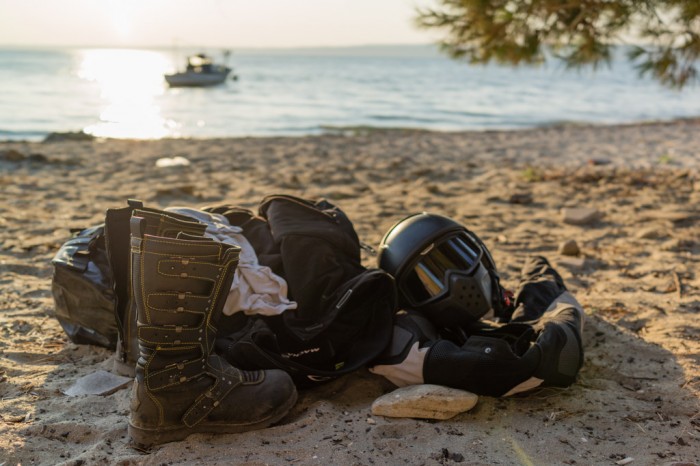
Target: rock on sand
x=424, y=402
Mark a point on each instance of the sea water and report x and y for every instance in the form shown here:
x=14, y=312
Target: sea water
x=122, y=93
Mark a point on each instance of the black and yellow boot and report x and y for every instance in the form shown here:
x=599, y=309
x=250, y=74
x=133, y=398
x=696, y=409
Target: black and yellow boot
x=182, y=387
x=158, y=223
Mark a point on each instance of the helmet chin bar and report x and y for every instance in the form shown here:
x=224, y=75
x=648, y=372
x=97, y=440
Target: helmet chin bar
x=467, y=299
x=473, y=292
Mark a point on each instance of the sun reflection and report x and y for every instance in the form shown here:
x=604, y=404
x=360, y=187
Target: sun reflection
x=130, y=82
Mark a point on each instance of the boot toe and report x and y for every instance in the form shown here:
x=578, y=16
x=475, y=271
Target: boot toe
x=259, y=401
x=276, y=390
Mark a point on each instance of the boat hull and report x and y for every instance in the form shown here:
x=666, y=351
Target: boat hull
x=197, y=79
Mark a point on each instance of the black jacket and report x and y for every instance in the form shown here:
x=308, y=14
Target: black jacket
x=344, y=314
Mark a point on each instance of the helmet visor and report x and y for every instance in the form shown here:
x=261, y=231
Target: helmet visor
x=427, y=278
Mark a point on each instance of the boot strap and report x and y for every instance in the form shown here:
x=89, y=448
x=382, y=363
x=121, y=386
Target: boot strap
x=173, y=336
x=227, y=378
x=168, y=224
x=189, y=268
x=174, y=303
x=175, y=374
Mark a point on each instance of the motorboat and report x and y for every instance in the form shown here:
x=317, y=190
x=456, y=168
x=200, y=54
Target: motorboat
x=200, y=71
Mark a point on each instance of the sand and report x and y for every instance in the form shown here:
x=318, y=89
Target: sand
x=637, y=397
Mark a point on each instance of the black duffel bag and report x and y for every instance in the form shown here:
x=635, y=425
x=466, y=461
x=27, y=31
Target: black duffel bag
x=83, y=291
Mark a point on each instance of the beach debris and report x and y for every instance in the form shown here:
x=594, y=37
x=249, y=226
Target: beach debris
x=98, y=383
x=569, y=248
x=623, y=461
x=596, y=162
x=68, y=136
x=167, y=162
x=12, y=155
x=520, y=198
x=424, y=402
x=581, y=215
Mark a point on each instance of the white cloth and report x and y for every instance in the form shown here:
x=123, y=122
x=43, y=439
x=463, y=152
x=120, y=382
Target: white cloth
x=255, y=288
x=407, y=372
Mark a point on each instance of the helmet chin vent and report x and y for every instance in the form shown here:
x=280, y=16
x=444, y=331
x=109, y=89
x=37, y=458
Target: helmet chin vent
x=469, y=294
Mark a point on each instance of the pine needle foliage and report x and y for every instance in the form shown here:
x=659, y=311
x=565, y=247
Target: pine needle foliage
x=665, y=33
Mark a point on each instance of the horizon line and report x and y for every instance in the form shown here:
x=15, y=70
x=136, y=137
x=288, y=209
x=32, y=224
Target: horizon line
x=218, y=46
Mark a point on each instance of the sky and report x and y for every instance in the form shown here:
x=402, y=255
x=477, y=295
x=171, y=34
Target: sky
x=227, y=23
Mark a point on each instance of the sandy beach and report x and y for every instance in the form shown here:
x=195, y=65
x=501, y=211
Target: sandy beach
x=637, y=400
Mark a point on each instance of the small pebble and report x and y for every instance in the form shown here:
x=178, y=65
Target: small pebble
x=569, y=248
x=520, y=198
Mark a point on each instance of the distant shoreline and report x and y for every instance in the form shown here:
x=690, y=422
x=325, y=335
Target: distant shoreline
x=649, y=144
x=350, y=130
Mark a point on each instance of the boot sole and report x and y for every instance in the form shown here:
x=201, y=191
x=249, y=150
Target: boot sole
x=145, y=438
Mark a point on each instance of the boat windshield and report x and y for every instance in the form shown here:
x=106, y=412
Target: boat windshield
x=199, y=60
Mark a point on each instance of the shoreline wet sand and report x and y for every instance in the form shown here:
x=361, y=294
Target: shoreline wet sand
x=636, y=275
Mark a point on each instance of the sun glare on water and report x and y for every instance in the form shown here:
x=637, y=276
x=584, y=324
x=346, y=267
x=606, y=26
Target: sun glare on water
x=129, y=82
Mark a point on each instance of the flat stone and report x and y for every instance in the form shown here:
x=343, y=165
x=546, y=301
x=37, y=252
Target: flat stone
x=569, y=248
x=98, y=383
x=581, y=215
x=424, y=402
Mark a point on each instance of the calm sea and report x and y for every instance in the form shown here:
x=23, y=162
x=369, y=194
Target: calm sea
x=121, y=93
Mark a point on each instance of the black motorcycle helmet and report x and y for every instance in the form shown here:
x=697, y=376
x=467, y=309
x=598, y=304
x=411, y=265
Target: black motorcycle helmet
x=441, y=269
